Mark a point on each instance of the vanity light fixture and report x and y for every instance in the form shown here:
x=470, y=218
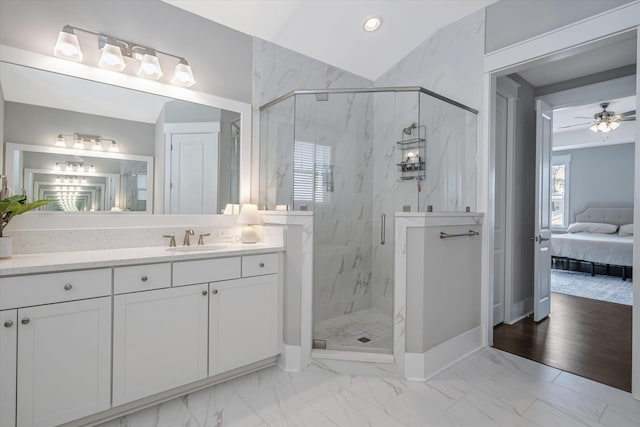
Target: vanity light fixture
x=183, y=76
x=97, y=145
x=57, y=167
x=78, y=144
x=111, y=57
x=115, y=50
x=67, y=45
x=150, y=66
x=92, y=169
x=372, y=23
x=114, y=147
x=60, y=142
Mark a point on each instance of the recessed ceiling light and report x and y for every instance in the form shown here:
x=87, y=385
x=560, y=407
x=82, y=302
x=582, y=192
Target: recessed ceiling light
x=372, y=23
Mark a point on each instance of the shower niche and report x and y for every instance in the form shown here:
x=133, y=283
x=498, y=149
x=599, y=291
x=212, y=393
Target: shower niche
x=355, y=157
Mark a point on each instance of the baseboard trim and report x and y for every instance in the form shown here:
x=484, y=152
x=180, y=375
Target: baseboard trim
x=290, y=359
x=355, y=356
x=422, y=366
x=524, y=307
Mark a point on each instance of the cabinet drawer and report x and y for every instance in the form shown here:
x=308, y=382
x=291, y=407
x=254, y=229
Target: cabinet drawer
x=36, y=289
x=205, y=270
x=257, y=265
x=141, y=278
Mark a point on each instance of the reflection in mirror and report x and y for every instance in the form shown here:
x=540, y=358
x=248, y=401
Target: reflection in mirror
x=196, y=147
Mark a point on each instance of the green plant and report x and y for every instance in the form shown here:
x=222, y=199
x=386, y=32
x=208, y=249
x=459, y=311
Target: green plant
x=16, y=205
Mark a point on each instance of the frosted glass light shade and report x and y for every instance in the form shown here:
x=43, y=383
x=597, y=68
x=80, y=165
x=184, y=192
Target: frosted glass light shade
x=150, y=67
x=111, y=58
x=67, y=45
x=183, y=75
x=60, y=142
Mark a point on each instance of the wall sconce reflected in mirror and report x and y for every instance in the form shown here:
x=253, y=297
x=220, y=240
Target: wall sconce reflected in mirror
x=115, y=50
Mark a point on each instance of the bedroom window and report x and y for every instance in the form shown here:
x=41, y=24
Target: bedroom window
x=560, y=171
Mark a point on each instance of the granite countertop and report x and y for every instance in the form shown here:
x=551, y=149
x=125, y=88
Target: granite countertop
x=77, y=260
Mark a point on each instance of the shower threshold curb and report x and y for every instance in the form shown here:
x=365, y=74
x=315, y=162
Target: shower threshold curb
x=354, y=356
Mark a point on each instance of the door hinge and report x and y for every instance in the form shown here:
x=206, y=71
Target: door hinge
x=171, y=186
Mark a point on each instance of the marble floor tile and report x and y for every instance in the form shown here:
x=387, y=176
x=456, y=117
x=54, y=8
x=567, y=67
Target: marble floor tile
x=488, y=388
x=546, y=414
x=347, y=409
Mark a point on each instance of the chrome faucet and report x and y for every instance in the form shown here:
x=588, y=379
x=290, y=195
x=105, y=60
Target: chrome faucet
x=187, y=233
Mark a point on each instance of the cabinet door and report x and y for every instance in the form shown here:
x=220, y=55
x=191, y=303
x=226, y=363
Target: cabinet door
x=64, y=355
x=8, y=349
x=243, y=322
x=159, y=341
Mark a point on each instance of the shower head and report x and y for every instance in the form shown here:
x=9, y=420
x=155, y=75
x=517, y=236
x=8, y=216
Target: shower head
x=409, y=129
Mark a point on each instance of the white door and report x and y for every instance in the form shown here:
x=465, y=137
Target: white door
x=243, y=322
x=64, y=361
x=8, y=361
x=542, y=238
x=194, y=173
x=159, y=341
x=500, y=225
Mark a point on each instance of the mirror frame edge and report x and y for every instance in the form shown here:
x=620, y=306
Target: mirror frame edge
x=60, y=66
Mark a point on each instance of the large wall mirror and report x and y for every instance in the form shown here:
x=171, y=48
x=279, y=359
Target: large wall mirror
x=90, y=146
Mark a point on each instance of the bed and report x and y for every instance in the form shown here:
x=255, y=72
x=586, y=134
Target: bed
x=597, y=248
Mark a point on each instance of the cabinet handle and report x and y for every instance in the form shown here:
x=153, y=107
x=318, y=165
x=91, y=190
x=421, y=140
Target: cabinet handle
x=204, y=293
x=214, y=291
x=261, y=264
x=8, y=323
x=68, y=287
x=144, y=278
x=25, y=321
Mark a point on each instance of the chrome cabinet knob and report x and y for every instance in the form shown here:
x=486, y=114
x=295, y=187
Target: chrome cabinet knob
x=144, y=278
x=261, y=264
x=204, y=293
x=8, y=323
x=25, y=321
x=68, y=287
x=214, y=291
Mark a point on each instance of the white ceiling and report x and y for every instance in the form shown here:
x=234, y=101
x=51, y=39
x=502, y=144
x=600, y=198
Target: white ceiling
x=45, y=89
x=619, y=53
x=331, y=30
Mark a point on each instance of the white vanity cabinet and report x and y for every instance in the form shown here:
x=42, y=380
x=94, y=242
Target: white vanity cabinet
x=243, y=322
x=159, y=341
x=63, y=362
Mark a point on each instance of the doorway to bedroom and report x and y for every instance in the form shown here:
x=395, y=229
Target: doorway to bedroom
x=578, y=319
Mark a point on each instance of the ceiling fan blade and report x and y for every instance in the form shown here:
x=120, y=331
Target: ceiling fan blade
x=583, y=117
x=627, y=114
x=570, y=126
x=628, y=119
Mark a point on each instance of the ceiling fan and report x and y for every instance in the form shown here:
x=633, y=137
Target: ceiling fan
x=606, y=121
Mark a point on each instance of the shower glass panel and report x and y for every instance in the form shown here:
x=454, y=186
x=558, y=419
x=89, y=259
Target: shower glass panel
x=355, y=158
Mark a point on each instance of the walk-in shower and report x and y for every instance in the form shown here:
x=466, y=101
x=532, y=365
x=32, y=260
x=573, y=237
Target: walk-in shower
x=355, y=157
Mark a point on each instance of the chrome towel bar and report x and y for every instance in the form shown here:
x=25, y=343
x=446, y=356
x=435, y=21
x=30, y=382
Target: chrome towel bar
x=471, y=233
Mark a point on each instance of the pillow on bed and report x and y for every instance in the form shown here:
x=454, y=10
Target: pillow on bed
x=592, y=227
x=626, y=230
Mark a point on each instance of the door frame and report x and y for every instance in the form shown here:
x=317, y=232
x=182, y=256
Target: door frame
x=508, y=88
x=573, y=37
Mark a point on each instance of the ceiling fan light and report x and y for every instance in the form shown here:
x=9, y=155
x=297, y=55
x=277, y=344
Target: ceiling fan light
x=111, y=58
x=67, y=45
x=150, y=66
x=614, y=125
x=602, y=126
x=594, y=127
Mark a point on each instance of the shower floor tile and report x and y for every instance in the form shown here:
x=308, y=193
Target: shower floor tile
x=365, y=330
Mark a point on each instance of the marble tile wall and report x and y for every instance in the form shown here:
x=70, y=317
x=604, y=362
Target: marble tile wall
x=343, y=219
x=449, y=63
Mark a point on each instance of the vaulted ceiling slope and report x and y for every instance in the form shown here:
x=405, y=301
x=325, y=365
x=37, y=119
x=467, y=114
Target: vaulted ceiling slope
x=331, y=30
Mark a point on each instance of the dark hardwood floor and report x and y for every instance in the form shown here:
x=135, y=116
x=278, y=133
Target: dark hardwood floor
x=586, y=337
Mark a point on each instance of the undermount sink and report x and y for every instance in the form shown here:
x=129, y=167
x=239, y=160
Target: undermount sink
x=198, y=248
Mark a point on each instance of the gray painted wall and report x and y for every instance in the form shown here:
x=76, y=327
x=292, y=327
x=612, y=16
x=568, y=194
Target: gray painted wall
x=187, y=112
x=221, y=58
x=600, y=176
x=512, y=21
x=1, y=131
x=524, y=200
x=30, y=124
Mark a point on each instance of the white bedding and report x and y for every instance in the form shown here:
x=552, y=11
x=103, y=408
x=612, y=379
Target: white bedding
x=594, y=247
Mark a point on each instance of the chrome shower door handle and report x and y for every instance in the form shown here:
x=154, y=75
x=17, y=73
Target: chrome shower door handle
x=383, y=220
